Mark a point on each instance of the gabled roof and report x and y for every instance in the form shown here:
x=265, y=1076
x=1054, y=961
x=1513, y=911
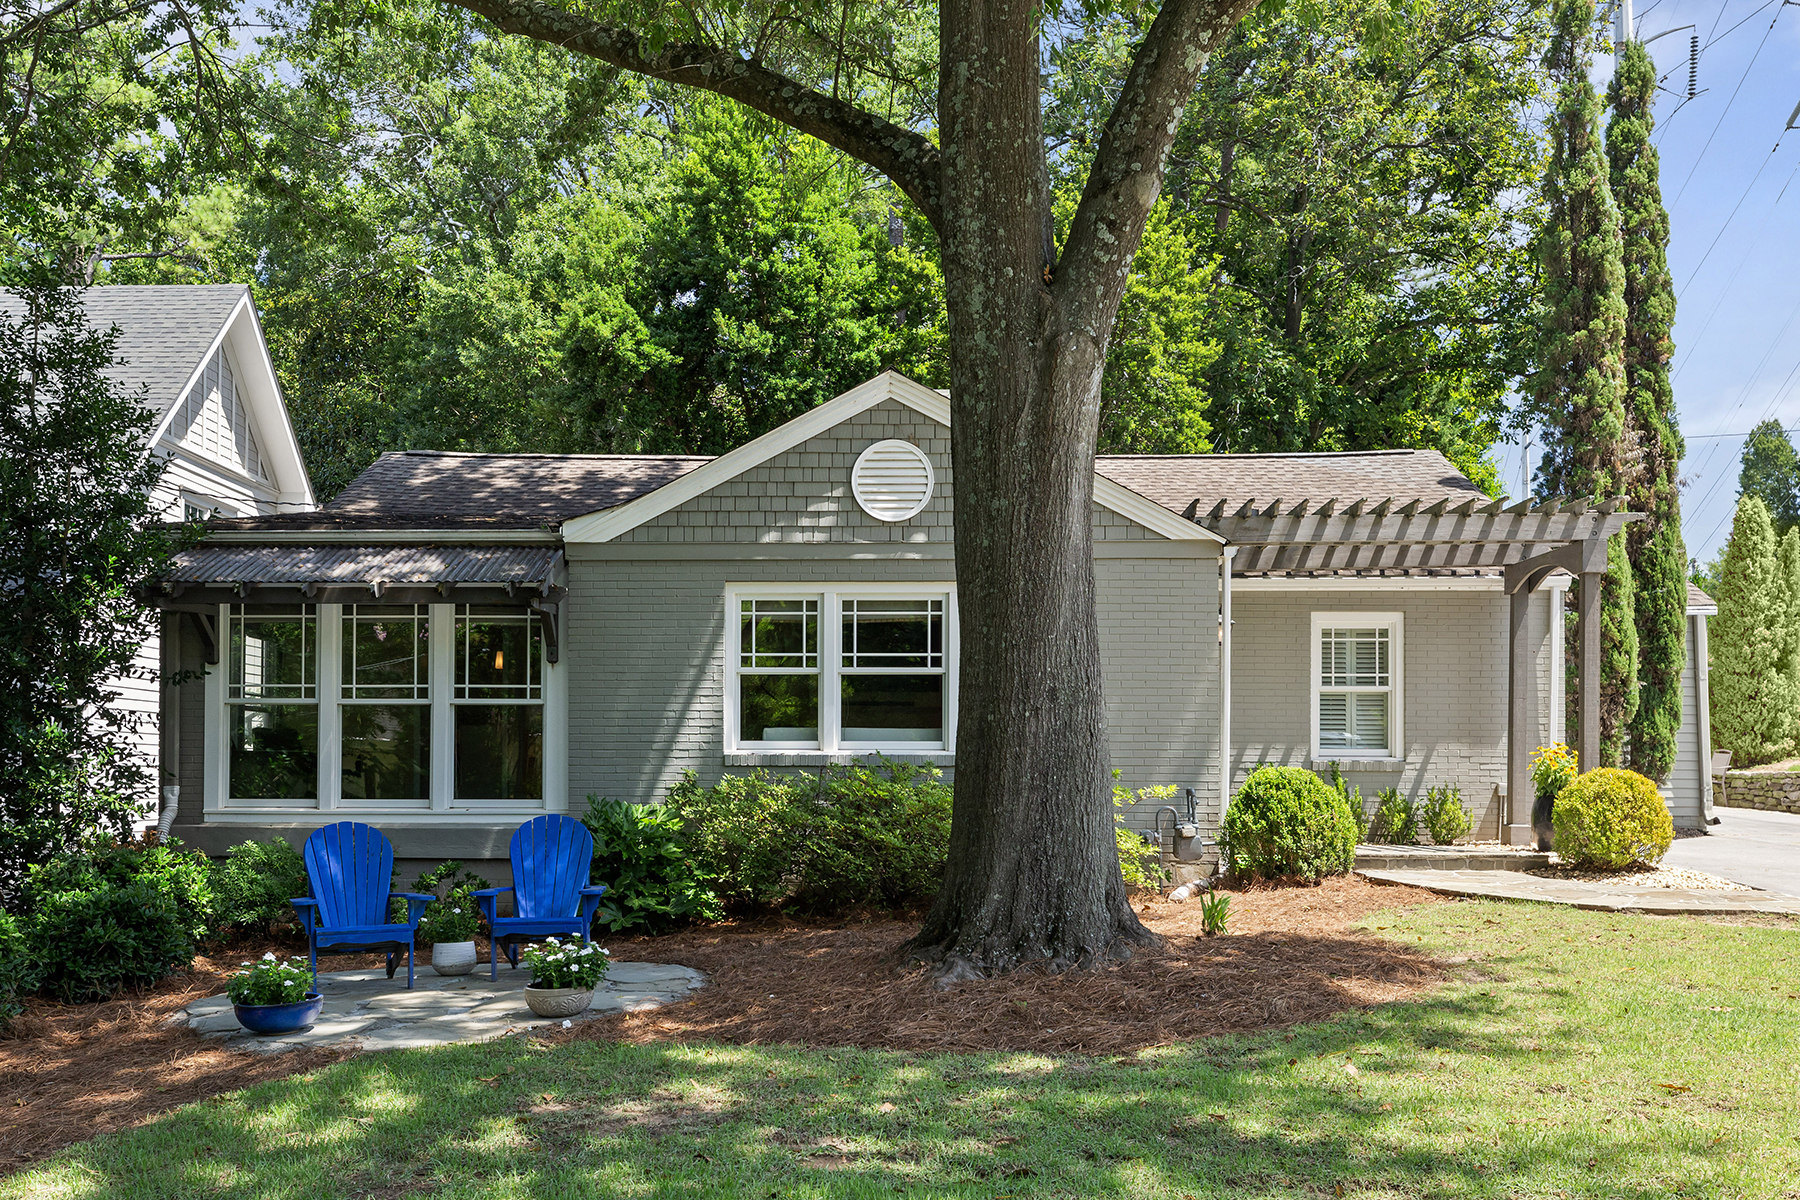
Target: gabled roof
x=1699, y=604
x=539, y=488
x=165, y=331
x=1194, y=484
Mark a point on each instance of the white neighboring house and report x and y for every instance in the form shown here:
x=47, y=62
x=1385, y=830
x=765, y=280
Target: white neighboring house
x=198, y=354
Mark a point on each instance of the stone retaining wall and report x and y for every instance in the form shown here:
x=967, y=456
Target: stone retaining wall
x=1777, y=791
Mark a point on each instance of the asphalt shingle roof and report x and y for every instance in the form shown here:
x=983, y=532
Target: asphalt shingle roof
x=164, y=330
x=334, y=564
x=1195, y=483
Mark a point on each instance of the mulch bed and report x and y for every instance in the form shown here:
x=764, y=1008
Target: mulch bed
x=68, y=1073
x=1291, y=958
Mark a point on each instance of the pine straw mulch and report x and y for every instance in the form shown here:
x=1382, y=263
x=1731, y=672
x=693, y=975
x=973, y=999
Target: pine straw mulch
x=1290, y=958
x=68, y=1073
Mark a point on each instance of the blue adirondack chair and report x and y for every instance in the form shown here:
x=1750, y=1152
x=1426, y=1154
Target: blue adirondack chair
x=550, y=860
x=351, y=867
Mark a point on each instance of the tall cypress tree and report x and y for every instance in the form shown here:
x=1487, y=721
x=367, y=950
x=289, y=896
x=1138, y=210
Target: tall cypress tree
x=1579, y=383
x=1753, y=702
x=1653, y=546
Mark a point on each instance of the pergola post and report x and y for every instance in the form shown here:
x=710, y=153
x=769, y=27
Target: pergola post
x=1518, y=735
x=1587, y=734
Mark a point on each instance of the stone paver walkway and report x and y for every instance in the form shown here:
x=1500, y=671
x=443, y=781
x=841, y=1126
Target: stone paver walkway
x=1601, y=897
x=368, y=1010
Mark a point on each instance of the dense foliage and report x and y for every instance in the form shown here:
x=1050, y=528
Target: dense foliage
x=1396, y=819
x=1578, y=385
x=1653, y=547
x=1286, y=822
x=254, y=886
x=1444, y=816
x=653, y=881
x=819, y=843
x=89, y=944
x=452, y=914
x=1612, y=818
x=1770, y=471
x=270, y=980
x=555, y=963
x=75, y=537
x=1754, y=700
x=19, y=973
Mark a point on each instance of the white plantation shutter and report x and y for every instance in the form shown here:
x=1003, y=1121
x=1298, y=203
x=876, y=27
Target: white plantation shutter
x=892, y=480
x=1370, y=726
x=1334, y=719
x=1355, y=687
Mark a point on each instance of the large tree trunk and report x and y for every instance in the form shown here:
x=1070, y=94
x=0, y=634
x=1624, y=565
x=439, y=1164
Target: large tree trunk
x=1033, y=873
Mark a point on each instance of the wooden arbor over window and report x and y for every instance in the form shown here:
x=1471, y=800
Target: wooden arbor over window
x=1523, y=542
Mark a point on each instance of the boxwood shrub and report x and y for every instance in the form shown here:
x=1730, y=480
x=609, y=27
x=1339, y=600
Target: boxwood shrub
x=1611, y=818
x=1286, y=822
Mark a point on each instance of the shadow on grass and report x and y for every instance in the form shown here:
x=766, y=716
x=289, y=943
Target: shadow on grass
x=1270, y=1115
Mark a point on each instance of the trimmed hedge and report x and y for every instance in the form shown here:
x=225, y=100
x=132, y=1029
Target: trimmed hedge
x=1612, y=818
x=1285, y=822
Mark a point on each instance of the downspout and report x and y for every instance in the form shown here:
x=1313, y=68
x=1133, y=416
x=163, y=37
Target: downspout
x=1226, y=554
x=1703, y=717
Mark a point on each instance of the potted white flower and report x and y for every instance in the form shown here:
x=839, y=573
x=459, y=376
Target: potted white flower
x=271, y=996
x=449, y=925
x=563, y=976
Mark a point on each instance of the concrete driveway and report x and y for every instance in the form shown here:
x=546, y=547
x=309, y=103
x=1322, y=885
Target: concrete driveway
x=1749, y=846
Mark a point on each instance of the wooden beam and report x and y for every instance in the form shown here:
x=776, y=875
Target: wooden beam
x=1518, y=689
x=1587, y=747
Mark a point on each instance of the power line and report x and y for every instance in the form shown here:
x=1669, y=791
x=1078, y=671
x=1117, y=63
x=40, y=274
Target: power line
x=1749, y=249
x=1734, y=94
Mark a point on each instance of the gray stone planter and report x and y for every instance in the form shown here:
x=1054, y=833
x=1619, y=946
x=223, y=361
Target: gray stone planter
x=453, y=958
x=558, y=1002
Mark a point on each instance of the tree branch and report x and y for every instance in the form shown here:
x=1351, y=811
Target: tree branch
x=1127, y=174
x=908, y=158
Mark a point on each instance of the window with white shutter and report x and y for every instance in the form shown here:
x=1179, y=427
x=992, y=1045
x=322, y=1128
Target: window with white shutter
x=1356, y=685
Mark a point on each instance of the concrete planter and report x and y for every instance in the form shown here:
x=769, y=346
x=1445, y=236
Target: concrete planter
x=453, y=958
x=558, y=1002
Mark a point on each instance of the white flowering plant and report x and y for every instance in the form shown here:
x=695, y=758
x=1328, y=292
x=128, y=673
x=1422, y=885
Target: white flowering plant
x=559, y=964
x=453, y=916
x=269, y=980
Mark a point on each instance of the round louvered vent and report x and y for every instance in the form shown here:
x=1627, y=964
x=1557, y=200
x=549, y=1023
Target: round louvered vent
x=892, y=480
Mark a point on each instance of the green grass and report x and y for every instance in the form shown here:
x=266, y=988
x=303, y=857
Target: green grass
x=1540, y=1073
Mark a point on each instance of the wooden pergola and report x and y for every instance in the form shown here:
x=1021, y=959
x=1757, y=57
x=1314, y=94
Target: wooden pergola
x=1522, y=542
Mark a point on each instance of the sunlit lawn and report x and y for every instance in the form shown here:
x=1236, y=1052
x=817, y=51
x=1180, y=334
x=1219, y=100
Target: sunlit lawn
x=1581, y=1054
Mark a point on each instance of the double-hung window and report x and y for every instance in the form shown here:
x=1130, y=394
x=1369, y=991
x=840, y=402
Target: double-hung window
x=386, y=708
x=1356, y=685
x=850, y=668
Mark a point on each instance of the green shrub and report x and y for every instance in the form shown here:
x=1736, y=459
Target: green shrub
x=454, y=915
x=253, y=885
x=183, y=876
x=846, y=837
x=1140, y=861
x=89, y=944
x=1612, y=818
x=653, y=881
x=19, y=974
x=1396, y=820
x=1353, y=800
x=1444, y=816
x=1286, y=822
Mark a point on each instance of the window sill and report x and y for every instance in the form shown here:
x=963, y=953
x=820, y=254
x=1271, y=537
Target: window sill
x=820, y=758
x=1347, y=765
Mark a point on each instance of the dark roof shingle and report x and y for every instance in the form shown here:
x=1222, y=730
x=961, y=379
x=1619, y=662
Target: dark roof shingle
x=164, y=330
x=361, y=565
x=1194, y=483
x=542, y=488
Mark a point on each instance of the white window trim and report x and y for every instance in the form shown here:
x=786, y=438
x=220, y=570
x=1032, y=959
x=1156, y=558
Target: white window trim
x=1392, y=621
x=442, y=804
x=830, y=597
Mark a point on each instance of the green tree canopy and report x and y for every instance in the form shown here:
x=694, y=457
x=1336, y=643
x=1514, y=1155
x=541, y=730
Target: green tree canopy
x=1771, y=473
x=1755, y=704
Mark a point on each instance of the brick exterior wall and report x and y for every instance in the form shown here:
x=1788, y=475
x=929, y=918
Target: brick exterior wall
x=1771, y=791
x=1453, y=688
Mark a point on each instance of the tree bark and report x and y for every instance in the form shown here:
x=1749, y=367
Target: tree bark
x=1033, y=874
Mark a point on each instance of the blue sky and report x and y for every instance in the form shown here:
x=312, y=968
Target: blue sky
x=1737, y=329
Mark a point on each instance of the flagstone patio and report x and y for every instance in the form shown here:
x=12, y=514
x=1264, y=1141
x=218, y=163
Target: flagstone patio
x=366, y=1009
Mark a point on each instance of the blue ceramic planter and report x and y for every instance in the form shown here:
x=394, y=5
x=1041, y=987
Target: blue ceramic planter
x=280, y=1018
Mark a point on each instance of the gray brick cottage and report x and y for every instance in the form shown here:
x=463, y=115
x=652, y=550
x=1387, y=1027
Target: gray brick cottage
x=460, y=641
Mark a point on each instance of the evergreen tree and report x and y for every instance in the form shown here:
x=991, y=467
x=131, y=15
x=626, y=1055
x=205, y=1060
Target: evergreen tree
x=1578, y=386
x=1654, y=548
x=1754, y=705
x=1771, y=473
x=1787, y=621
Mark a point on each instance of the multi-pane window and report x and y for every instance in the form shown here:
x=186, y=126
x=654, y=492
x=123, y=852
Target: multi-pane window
x=386, y=702
x=892, y=685
x=852, y=670
x=1356, y=685
x=778, y=671
x=272, y=704
x=498, y=704
x=371, y=707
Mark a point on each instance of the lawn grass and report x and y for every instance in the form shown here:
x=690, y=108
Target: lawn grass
x=1578, y=1054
